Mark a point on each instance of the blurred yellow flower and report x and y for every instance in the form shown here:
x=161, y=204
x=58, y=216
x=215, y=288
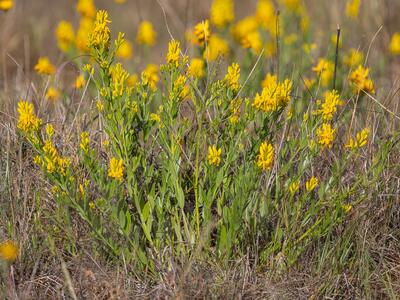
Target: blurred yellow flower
x=394, y=46
x=326, y=135
x=244, y=27
x=49, y=130
x=294, y=186
x=196, y=68
x=325, y=70
x=222, y=12
x=202, y=33
x=80, y=81
x=265, y=16
x=44, y=66
x=360, y=79
x=311, y=184
x=125, y=50
x=150, y=76
x=352, y=8
x=252, y=41
x=353, y=58
x=120, y=1
x=86, y=8
x=52, y=94
x=65, y=35
x=6, y=4
x=8, y=251
x=146, y=34
x=116, y=169
x=155, y=117
x=214, y=155
x=174, y=51
x=82, y=34
x=216, y=47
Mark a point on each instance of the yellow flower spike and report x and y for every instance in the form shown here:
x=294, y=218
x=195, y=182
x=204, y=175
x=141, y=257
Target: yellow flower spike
x=360, y=140
x=232, y=77
x=222, y=12
x=118, y=77
x=353, y=8
x=80, y=81
x=214, y=155
x=146, y=35
x=155, y=117
x=84, y=144
x=173, y=54
x=326, y=135
x=81, y=190
x=150, y=76
x=311, y=184
x=116, y=169
x=8, y=251
x=202, y=33
x=361, y=81
x=44, y=66
x=328, y=108
x=65, y=35
x=6, y=4
x=99, y=106
x=49, y=130
x=99, y=37
x=37, y=160
x=86, y=8
x=294, y=186
x=125, y=50
x=394, y=46
x=265, y=157
x=53, y=94
x=196, y=68
x=27, y=120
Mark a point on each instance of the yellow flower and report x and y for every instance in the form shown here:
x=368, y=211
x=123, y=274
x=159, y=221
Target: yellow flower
x=79, y=81
x=394, y=46
x=44, y=66
x=86, y=8
x=118, y=78
x=265, y=157
x=174, y=51
x=347, y=208
x=180, y=90
x=311, y=184
x=325, y=135
x=222, y=12
x=84, y=144
x=325, y=70
x=146, y=34
x=116, y=169
x=65, y=35
x=27, y=120
x=252, y=41
x=155, y=117
x=352, y=8
x=216, y=47
x=52, y=94
x=359, y=141
x=265, y=16
x=8, y=251
x=120, y=1
x=82, y=35
x=329, y=107
x=49, y=130
x=99, y=106
x=52, y=161
x=6, y=4
x=214, y=155
x=99, y=37
x=274, y=94
x=232, y=77
x=360, y=79
x=294, y=186
x=125, y=50
x=202, y=32
x=244, y=27
x=353, y=58
x=150, y=76
x=196, y=68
